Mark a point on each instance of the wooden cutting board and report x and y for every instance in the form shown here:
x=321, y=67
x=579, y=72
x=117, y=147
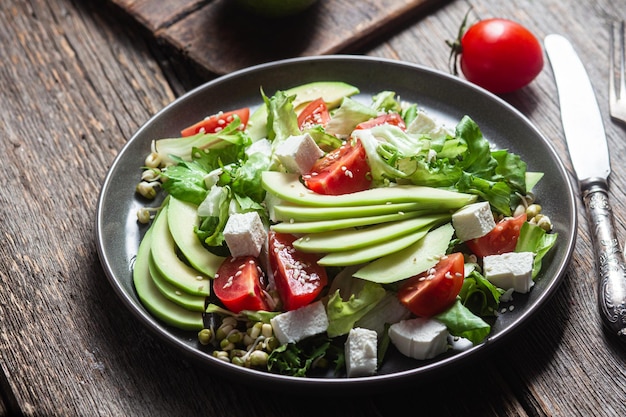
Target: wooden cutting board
x=220, y=38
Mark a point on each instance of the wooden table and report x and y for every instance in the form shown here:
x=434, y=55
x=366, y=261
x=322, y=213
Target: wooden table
x=78, y=78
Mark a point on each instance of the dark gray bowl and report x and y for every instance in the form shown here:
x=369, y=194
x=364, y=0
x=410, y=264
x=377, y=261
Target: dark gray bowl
x=446, y=97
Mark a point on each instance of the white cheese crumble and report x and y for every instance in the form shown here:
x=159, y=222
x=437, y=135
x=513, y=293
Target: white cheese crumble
x=510, y=270
x=295, y=325
x=298, y=153
x=419, y=338
x=245, y=234
x=473, y=221
x=361, y=352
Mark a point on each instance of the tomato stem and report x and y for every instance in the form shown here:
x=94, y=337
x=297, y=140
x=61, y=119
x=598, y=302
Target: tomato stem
x=456, y=47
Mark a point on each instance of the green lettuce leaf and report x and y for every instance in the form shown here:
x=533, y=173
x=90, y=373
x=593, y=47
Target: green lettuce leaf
x=534, y=239
x=461, y=322
x=343, y=314
x=479, y=295
x=348, y=115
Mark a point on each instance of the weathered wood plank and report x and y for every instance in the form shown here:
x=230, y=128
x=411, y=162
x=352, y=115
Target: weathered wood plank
x=220, y=38
x=156, y=15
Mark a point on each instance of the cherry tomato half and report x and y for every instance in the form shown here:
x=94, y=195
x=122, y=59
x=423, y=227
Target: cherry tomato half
x=435, y=290
x=500, y=55
x=502, y=238
x=344, y=170
x=315, y=113
x=238, y=284
x=218, y=121
x=298, y=277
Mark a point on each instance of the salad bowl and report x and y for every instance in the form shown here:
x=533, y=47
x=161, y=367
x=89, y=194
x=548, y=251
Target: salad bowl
x=445, y=97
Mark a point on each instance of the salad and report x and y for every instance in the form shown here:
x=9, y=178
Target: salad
x=319, y=231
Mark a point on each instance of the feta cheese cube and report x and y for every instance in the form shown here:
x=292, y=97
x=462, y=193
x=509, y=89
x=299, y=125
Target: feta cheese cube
x=245, y=234
x=510, y=270
x=298, y=153
x=295, y=325
x=419, y=338
x=361, y=352
x=473, y=221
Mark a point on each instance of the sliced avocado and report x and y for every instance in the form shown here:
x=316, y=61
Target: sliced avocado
x=369, y=253
x=289, y=188
x=342, y=240
x=182, y=218
x=174, y=294
x=159, y=306
x=338, y=224
x=297, y=213
x=171, y=267
x=410, y=261
x=332, y=92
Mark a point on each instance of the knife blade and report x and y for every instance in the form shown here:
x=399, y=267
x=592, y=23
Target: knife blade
x=589, y=152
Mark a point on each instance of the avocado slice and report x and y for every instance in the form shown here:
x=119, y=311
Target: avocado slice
x=332, y=92
x=342, y=240
x=289, y=188
x=369, y=253
x=296, y=213
x=182, y=218
x=147, y=292
x=410, y=261
x=172, y=293
x=172, y=268
x=338, y=224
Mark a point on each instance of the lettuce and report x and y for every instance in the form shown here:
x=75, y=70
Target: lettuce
x=348, y=116
x=479, y=295
x=534, y=239
x=343, y=314
x=461, y=322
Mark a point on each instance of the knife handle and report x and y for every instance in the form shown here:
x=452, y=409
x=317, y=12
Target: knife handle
x=609, y=258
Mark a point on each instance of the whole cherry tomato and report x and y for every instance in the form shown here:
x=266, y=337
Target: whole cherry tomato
x=498, y=54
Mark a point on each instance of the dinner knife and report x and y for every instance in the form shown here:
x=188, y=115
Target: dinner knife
x=589, y=153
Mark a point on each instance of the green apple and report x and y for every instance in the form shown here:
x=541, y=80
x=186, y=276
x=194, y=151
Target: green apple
x=275, y=8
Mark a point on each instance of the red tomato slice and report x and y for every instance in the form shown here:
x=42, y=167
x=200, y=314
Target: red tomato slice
x=344, y=170
x=389, y=119
x=216, y=122
x=238, y=284
x=315, y=113
x=501, y=239
x=435, y=290
x=298, y=277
